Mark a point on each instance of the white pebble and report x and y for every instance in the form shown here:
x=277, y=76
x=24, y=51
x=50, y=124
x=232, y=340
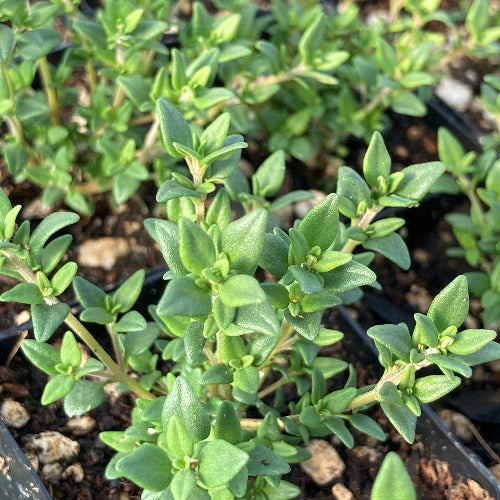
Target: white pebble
x=14, y=414
x=454, y=93
x=52, y=446
x=325, y=465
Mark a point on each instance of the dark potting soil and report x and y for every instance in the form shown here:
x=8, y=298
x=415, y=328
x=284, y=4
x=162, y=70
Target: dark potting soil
x=432, y=478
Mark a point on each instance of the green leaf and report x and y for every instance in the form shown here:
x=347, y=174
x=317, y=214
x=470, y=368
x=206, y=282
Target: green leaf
x=416, y=79
x=214, y=135
x=183, y=403
x=166, y=234
x=309, y=282
x=219, y=211
x=207, y=98
x=367, y=425
x=71, y=355
x=47, y=318
x=395, y=337
x=391, y=246
x=348, y=276
x=409, y=104
x=89, y=294
x=223, y=153
x=329, y=367
x=319, y=302
x=38, y=42
x=172, y=189
x=470, y=341
x=259, y=318
x=183, y=485
x=269, y=177
x=325, y=215
x=138, y=342
x=227, y=424
x=43, y=356
x=219, y=462
x=136, y=88
x=338, y=427
x=131, y=322
x=63, y=277
x=148, y=466
x=24, y=293
x=179, y=443
x=183, y=297
x=477, y=18
x=129, y=291
x=194, y=341
x=196, y=247
x=85, y=396
x=7, y=42
x=312, y=39
x=447, y=363
x=489, y=352
x=451, y=305
x=425, y=331
x=433, y=387
x=217, y=374
x=377, y=161
x=393, y=477
x=117, y=441
x=331, y=259
x=418, y=179
x=339, y=400
x=243, y=239
x=49, y=226
x=173, y=126
x=264, y=462
x=241, y=290
x=450, y=150
x=52, y=254
x=97, y=315
x=307, y=324
x=328, y=337
x=274, y=256
x=402, y=418
x=290, y=198
x=246, y=379
x=57, y=387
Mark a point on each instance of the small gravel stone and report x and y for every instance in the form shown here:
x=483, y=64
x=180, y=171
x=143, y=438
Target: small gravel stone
x=325, y=465
x=80, y=426
x=457, y=423
x=52, y=446
x=454, y=93
x=495, y=470
x=102, y=252
x=14, y=414
x=365, y=453
x=52, y=472
x=33, y=458
x=75, y=471
x=340, y=492
x=22, y=317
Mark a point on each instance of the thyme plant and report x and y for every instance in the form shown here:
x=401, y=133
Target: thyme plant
x=78, y=88
x=478, y=232
x=239, y=322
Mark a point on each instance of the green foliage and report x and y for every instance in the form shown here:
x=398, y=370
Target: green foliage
x=393, y=477
x=477, y=232
x=241, y=313
x=299, y=80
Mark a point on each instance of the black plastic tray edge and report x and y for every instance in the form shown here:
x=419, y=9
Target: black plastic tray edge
x=458, y=456
x=19, y=480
